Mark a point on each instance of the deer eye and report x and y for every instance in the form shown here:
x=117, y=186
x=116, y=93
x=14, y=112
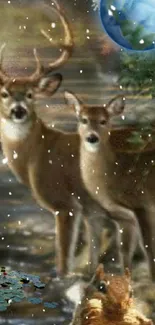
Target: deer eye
x=102, y=287
x=29, y=95
x=84, y=120
x=102, y=122
x=4, y=94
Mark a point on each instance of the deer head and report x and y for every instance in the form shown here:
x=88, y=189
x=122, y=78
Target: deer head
x=94, y=121
x=17, y=95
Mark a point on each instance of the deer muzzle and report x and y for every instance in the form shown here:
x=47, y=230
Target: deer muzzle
x=18, y=113
x=92, y=138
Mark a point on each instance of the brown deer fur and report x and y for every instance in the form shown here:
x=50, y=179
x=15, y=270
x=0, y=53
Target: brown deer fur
x=116, y=179
x=45, y=160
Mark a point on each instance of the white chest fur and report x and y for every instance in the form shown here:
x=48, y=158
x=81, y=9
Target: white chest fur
x=15, y=131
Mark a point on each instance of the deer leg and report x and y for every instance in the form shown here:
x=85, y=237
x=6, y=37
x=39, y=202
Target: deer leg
x=97, y=222
x=132, y=241
x=82, y=240
x=67, y=230
x=140, y=259
x=112, y=257
x=147, y=223
x=94, y=243
x=131, y=232
x=94, y=224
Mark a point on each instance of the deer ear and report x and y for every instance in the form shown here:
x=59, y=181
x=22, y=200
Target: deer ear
x=127, y=273
x=48, y=85
x=100, y=272
x=116, y=106
x=72, y=100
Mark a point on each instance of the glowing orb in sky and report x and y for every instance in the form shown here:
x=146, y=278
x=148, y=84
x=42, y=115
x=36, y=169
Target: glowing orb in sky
x=130, y=23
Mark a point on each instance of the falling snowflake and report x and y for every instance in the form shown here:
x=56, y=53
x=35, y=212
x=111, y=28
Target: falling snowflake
x=95, y=4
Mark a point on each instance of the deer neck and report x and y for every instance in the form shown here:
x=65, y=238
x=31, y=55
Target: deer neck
x=15, y=132
x=99, y=161
x=96, y=170
x=19, y=144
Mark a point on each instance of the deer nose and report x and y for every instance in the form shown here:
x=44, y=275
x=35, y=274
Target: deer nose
x=92, y=138
x=18, y=112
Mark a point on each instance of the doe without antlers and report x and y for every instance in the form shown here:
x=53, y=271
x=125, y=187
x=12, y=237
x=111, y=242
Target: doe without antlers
x=105, y=173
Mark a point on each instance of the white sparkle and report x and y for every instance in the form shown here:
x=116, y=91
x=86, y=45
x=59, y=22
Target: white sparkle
x=110, y=13
x=53, y=25
x=112, y=8
x=4, y=161
x=15, y=155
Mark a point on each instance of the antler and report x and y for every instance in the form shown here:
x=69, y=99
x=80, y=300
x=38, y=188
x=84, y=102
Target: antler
x=3, y=75
x=67, y=46
x=65, y=55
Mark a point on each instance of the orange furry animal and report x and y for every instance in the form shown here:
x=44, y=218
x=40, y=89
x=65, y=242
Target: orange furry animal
x=108, y=301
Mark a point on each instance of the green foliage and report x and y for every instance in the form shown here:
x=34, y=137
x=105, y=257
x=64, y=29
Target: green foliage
x=138, y=72
x=141, y=137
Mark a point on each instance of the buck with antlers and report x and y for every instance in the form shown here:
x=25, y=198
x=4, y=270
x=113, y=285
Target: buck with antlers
x=47, y=161
x=110, y=178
